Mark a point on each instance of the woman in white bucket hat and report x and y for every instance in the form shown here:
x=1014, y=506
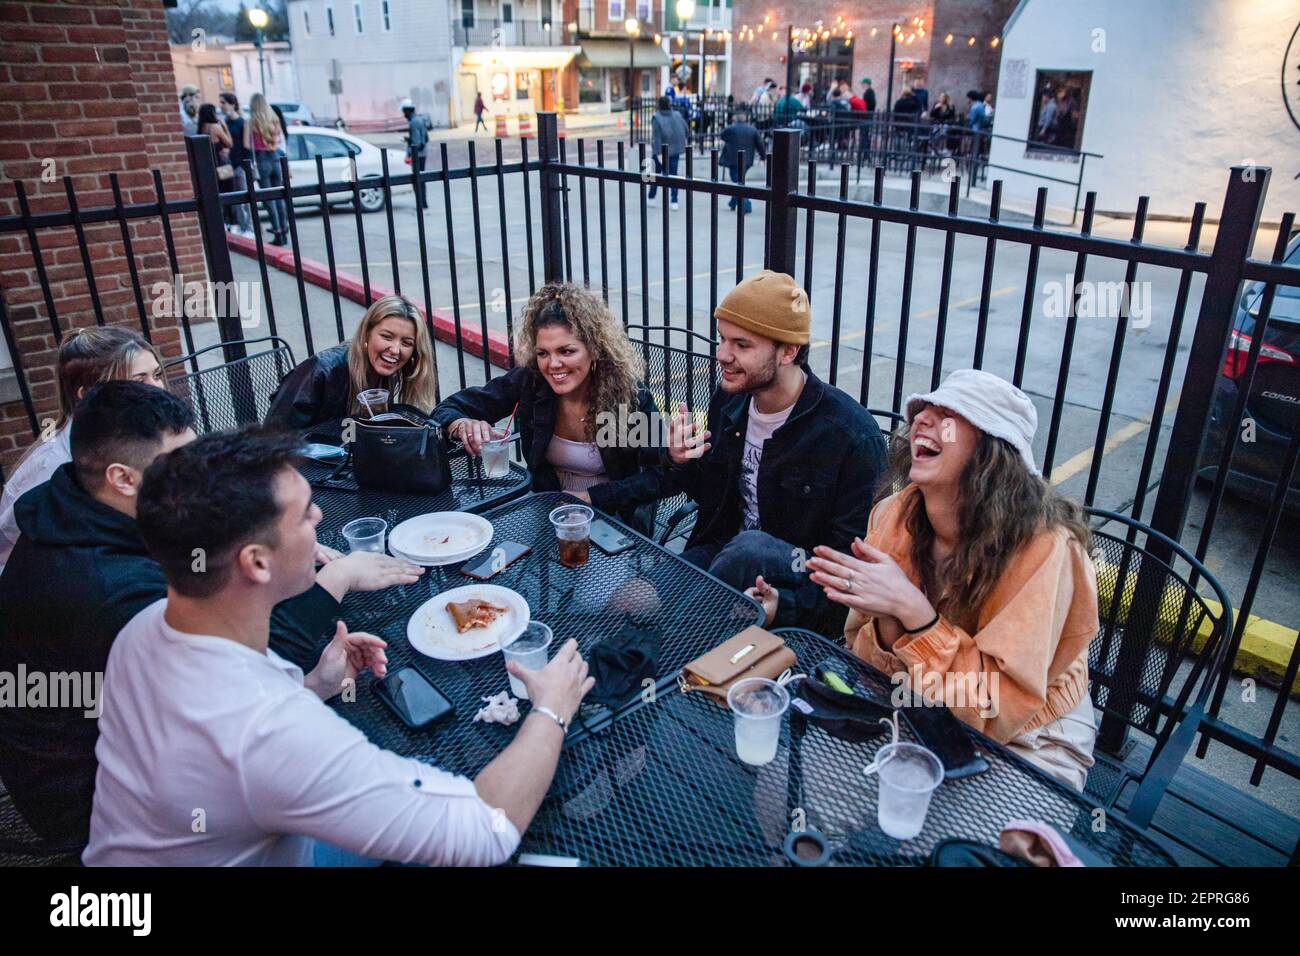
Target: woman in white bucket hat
x=974, y=584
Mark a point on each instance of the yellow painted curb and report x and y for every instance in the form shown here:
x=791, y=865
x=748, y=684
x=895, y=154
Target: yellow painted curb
x=1266, y=646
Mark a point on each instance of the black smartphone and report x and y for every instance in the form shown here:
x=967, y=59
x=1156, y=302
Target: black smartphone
x=946, y=737
x=413, y=699
x=608, y=538
x=495, y=561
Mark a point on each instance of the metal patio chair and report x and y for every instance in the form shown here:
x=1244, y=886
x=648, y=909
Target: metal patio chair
x=676, y=373
x=231, y=393
x=1154, y=660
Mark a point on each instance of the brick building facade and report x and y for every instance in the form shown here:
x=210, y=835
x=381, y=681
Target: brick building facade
x=955, y=66
x=88, y=92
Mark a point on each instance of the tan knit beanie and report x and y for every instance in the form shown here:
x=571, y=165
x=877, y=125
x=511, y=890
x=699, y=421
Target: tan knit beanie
x=769, y=304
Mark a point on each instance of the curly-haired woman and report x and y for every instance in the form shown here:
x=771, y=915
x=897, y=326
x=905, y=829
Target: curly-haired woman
x=974, y=583
x=578, y=388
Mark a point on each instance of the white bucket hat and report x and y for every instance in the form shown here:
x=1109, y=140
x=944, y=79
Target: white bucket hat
x=991, y=404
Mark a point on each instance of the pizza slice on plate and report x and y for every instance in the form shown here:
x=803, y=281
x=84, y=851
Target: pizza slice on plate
x=474, y=613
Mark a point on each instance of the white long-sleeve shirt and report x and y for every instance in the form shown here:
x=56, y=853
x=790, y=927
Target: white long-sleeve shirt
x=211, y=753
x=44, y=460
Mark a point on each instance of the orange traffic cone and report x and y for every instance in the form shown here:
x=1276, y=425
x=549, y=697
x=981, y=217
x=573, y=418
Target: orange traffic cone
x=502, y=130
x=526, y=126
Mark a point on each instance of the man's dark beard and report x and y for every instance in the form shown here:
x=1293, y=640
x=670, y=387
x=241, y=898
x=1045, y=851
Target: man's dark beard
x=761, y=379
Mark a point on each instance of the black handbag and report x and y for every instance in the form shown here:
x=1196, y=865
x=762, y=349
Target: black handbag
x=401, y=451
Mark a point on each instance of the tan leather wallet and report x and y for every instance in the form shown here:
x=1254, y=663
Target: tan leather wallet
x=753, y=652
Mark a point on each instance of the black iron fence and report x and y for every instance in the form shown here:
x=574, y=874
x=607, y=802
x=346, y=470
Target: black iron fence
x=582, y=209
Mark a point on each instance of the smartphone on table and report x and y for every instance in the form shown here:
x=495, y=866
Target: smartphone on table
x=946, y=737
x=415, y=701
x=608, y=538
x=496, y=560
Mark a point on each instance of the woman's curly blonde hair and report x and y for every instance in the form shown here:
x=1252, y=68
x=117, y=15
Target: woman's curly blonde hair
x=616, y=369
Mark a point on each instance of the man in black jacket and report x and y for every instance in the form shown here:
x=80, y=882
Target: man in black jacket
x=80, y=571
x=741, y=142
x=793, y=462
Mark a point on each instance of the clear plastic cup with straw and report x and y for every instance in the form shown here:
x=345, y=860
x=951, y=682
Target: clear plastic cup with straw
x=374, y=401
x=496, y=454
x=908, y=774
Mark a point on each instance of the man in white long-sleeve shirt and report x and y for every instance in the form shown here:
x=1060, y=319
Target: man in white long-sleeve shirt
x=214, y=750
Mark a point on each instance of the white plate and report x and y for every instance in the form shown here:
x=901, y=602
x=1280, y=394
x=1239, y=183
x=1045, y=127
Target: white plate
x=432, y=631
x=442, y=537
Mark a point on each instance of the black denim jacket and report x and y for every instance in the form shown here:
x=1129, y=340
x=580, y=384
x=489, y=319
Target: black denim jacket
x=815, y=483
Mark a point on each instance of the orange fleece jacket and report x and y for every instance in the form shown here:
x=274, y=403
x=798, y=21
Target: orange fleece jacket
x=1032, y=632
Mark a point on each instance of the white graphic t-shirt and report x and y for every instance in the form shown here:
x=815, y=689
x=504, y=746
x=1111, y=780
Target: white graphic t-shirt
x=760, y=429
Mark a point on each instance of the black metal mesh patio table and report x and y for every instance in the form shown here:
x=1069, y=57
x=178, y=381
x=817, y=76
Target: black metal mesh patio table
x=662, y=786
x=647, y=587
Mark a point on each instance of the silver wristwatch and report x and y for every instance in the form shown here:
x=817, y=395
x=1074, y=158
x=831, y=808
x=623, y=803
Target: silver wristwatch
x=564, y=727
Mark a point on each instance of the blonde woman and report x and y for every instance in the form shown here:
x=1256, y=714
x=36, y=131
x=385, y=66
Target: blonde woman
x=262, y=138
x=576, y=370
x=86, y=356
x=390, y=349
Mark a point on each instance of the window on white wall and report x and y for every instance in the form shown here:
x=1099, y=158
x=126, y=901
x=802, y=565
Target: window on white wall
x=356, y=16
x=329, y=19
x=467, y=13
x=388, y=21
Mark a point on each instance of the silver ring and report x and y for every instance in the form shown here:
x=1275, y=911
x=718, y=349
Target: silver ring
x=849, y=582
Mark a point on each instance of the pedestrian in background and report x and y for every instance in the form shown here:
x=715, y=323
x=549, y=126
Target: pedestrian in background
x=741, y=142
x=479, y=108
x=239, y=158
x=263, y=136
x=417, y=140
x=667, y=129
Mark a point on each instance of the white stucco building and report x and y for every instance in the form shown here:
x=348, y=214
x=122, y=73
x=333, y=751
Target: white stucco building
x=380, y=51
x=1170, y=92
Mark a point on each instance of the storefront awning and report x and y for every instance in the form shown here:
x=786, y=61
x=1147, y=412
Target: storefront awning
x=614, y=54
x=520, y=58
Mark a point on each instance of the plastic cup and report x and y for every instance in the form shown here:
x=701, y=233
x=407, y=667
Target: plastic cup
x=374, y=401
x=572, y=525
x=496, y=455
x=908, y=776
x=528, y=650
x=758, y=704
x=365, y=534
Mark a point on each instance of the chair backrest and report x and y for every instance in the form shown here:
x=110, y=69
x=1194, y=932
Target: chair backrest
x=680, y=366
x=1159, y=639
x=231, y=393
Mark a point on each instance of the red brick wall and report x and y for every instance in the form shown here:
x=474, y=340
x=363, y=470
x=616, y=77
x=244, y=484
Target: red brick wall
x=959, y=67
x=88, y=85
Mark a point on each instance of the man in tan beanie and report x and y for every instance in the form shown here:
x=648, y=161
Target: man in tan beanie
x=787, y=462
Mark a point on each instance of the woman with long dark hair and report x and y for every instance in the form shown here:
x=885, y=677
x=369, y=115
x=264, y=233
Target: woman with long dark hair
x=974, y=585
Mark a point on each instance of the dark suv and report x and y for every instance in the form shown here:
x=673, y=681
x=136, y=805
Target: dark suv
x=1274, y=400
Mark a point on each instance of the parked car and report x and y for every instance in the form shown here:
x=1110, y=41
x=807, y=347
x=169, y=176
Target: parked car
x=296, y=114
x=1273, y=405
x=337, y=150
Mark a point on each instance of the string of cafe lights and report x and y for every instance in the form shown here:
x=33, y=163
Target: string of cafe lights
x=821, y=31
